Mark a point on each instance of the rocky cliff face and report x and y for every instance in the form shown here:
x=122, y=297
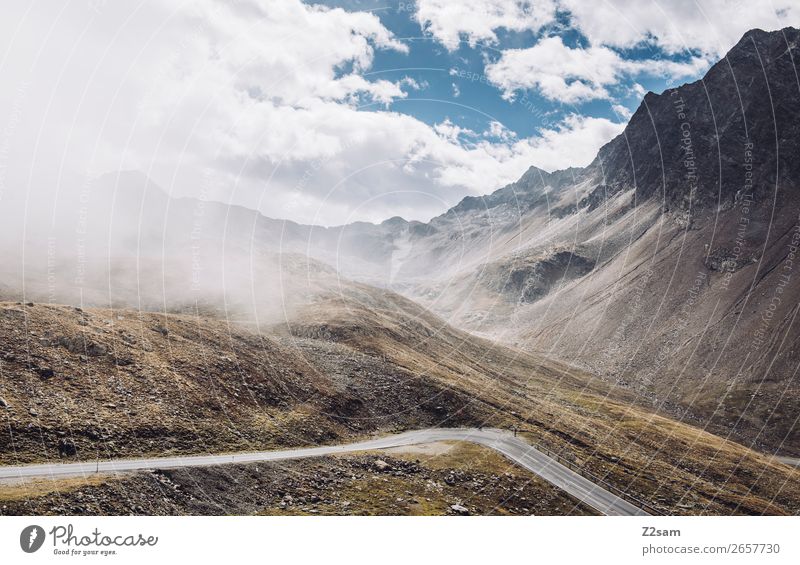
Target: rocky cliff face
x=706, y=143
x=690, y=220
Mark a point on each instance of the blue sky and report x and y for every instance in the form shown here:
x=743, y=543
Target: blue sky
x=454, y=85
x=332, y=113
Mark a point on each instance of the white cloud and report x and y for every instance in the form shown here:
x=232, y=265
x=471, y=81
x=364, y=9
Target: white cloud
x=451, y=132
x=478, y=20
x=572, y=75
x=638, y=90
x=622, y=111
x=413, y=84
x=499, y=131
x=709, y=26
x=351, y=86
x=256, y=103
x=295, y=51
x=574, y=142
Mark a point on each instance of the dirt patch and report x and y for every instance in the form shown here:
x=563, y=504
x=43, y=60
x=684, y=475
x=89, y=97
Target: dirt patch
x=434, y=449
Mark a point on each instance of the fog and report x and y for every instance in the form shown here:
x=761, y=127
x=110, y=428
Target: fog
x=120, y=241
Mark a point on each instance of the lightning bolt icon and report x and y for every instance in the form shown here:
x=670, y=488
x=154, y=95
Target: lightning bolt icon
x=34, y=535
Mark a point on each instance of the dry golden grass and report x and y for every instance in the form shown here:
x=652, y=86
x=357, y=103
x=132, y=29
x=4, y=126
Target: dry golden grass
x=359, y=362
x=32, y=488
x=675, y=467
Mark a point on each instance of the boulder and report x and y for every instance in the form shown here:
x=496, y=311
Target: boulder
x=381, y=465
x=66, y=448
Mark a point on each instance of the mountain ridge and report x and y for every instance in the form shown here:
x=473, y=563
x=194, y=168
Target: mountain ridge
x=596, y=267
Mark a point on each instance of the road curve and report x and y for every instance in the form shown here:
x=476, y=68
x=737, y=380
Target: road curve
x=504, y=442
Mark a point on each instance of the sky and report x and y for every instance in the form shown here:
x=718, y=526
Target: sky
x=332, y=112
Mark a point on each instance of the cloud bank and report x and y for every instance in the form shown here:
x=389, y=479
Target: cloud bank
x=271, y=105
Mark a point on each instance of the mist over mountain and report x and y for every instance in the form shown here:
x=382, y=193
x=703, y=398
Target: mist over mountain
x=667, y=265
x=601, y=318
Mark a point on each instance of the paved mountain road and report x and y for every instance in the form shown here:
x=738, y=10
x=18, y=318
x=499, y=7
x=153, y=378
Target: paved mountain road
x=504, y=442
x=794, y=462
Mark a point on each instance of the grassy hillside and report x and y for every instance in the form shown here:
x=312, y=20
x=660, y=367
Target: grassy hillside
x=111, y=384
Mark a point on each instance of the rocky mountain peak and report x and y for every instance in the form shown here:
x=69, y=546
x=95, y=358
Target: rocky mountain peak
x=703, y=143
x=700, y=145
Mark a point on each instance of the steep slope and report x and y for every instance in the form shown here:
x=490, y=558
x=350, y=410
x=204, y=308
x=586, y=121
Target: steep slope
x=705, y=144
x=668, y=264
x=563, y=410
x=96, y=383
x=106, y=383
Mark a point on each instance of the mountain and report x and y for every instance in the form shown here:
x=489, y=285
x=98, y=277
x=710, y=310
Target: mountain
x=695, y=147
x=101, y=383
x=632, y=307
x=667, y=266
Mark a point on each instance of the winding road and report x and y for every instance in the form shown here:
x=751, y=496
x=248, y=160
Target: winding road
x=501, y=441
